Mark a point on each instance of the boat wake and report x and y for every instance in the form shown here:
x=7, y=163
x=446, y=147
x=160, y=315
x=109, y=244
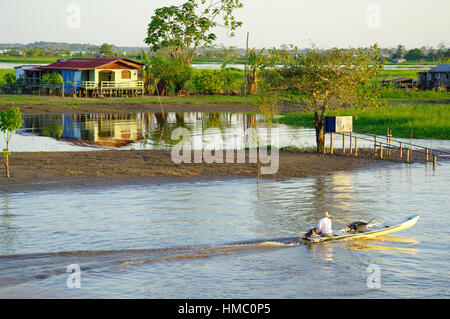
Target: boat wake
x=18, y=269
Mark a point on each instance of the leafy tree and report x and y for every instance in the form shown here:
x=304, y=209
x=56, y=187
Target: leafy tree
x=183, y=29
x=328, y=79
x=10, y=80
x=52, y=80
x=10, y=120
x=168, y=73
x=106, y=50
x=208, y=82
x=400, y=53
x=414, y=54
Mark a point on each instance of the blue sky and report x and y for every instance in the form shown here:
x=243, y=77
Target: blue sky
x=327, y=23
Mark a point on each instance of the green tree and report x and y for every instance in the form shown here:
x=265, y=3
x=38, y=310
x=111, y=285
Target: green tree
x=168, y=73
x=53, y=80
x=10, y=120
x=414, y=54
x=400, y=53
x=328, y=79
x=183, y=29
x=106, y=50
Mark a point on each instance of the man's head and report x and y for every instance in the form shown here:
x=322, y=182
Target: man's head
x=327, y=215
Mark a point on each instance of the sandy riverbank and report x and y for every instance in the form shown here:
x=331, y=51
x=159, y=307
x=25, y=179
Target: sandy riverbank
x=67, y=105
x=43, y=170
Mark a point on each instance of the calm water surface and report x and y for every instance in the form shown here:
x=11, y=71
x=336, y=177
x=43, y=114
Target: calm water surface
x=226, y=238
x=218, y=239
x=142, y=131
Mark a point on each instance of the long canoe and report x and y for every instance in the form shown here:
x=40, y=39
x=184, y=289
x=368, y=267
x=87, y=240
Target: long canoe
x=371, y=231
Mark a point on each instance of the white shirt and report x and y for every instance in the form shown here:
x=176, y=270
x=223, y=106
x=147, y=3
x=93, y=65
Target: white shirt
x=324, y=226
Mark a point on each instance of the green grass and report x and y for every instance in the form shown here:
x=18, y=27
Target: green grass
x=402, y=95
x=42, y=60
x=426, y=120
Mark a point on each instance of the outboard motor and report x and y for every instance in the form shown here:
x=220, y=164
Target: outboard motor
x=358, y=226
x=310, y=233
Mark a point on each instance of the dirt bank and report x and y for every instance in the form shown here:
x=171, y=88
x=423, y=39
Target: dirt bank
x=106, y=106
x=32, y=171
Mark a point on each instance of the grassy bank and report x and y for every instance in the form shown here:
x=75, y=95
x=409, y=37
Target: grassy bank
x=426, y=120
x=29, y=60
x=393, y=95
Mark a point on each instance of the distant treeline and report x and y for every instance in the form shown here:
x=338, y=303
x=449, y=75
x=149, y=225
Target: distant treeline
x=219, y=53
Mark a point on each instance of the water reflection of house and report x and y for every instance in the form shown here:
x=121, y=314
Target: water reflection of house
x=111, y=130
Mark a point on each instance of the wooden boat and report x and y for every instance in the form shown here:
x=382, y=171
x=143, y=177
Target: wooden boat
x=370, y=231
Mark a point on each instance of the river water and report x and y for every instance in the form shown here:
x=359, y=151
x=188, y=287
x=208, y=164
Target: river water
x=227, y=238
x=144, y=131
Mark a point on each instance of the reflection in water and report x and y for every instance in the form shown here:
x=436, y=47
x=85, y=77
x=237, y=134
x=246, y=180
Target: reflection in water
x=323, y=252
x=109, y=130
x=388, y=244
x=8, y=232
x=154, y=130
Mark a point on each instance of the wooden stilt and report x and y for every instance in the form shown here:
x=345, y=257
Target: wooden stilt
x=331, y=143
x=351, y=142
x=343, y=143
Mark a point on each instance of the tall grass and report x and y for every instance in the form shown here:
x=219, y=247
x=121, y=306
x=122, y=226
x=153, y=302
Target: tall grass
x=426, y=120
x=396, y=94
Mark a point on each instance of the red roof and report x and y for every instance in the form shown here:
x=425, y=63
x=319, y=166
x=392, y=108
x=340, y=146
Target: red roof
x=83, y=64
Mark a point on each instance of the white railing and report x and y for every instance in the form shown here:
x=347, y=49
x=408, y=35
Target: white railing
x=88, y=84
x=122, y=85
x=91, y=84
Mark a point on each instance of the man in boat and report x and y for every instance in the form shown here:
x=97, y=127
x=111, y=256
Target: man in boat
x=324, y=226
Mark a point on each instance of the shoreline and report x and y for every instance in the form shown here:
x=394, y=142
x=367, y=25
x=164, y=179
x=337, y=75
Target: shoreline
x=31, y=171
x=134, y=107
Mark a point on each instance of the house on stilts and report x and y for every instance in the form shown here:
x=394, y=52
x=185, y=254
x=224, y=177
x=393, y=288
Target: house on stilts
x=91, y=77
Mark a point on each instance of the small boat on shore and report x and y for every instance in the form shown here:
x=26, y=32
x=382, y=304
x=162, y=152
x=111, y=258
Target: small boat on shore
x=370, y=231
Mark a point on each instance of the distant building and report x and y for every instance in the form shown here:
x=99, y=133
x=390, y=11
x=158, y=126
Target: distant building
x=437, y=77
x=399, y=83
x=91, y=75
x=20, y=70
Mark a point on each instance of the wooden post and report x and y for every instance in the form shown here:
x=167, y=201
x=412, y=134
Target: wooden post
x=331, y=143
x=387, y=141
x=343, y=143
x=381, y=150
x=356, y=147
x=245, y=70
x=375, y=146
x=426, y=155
x=407, y=156
x=401, y=150
x=434, y=162
x=351, y=142
x=324, y=142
